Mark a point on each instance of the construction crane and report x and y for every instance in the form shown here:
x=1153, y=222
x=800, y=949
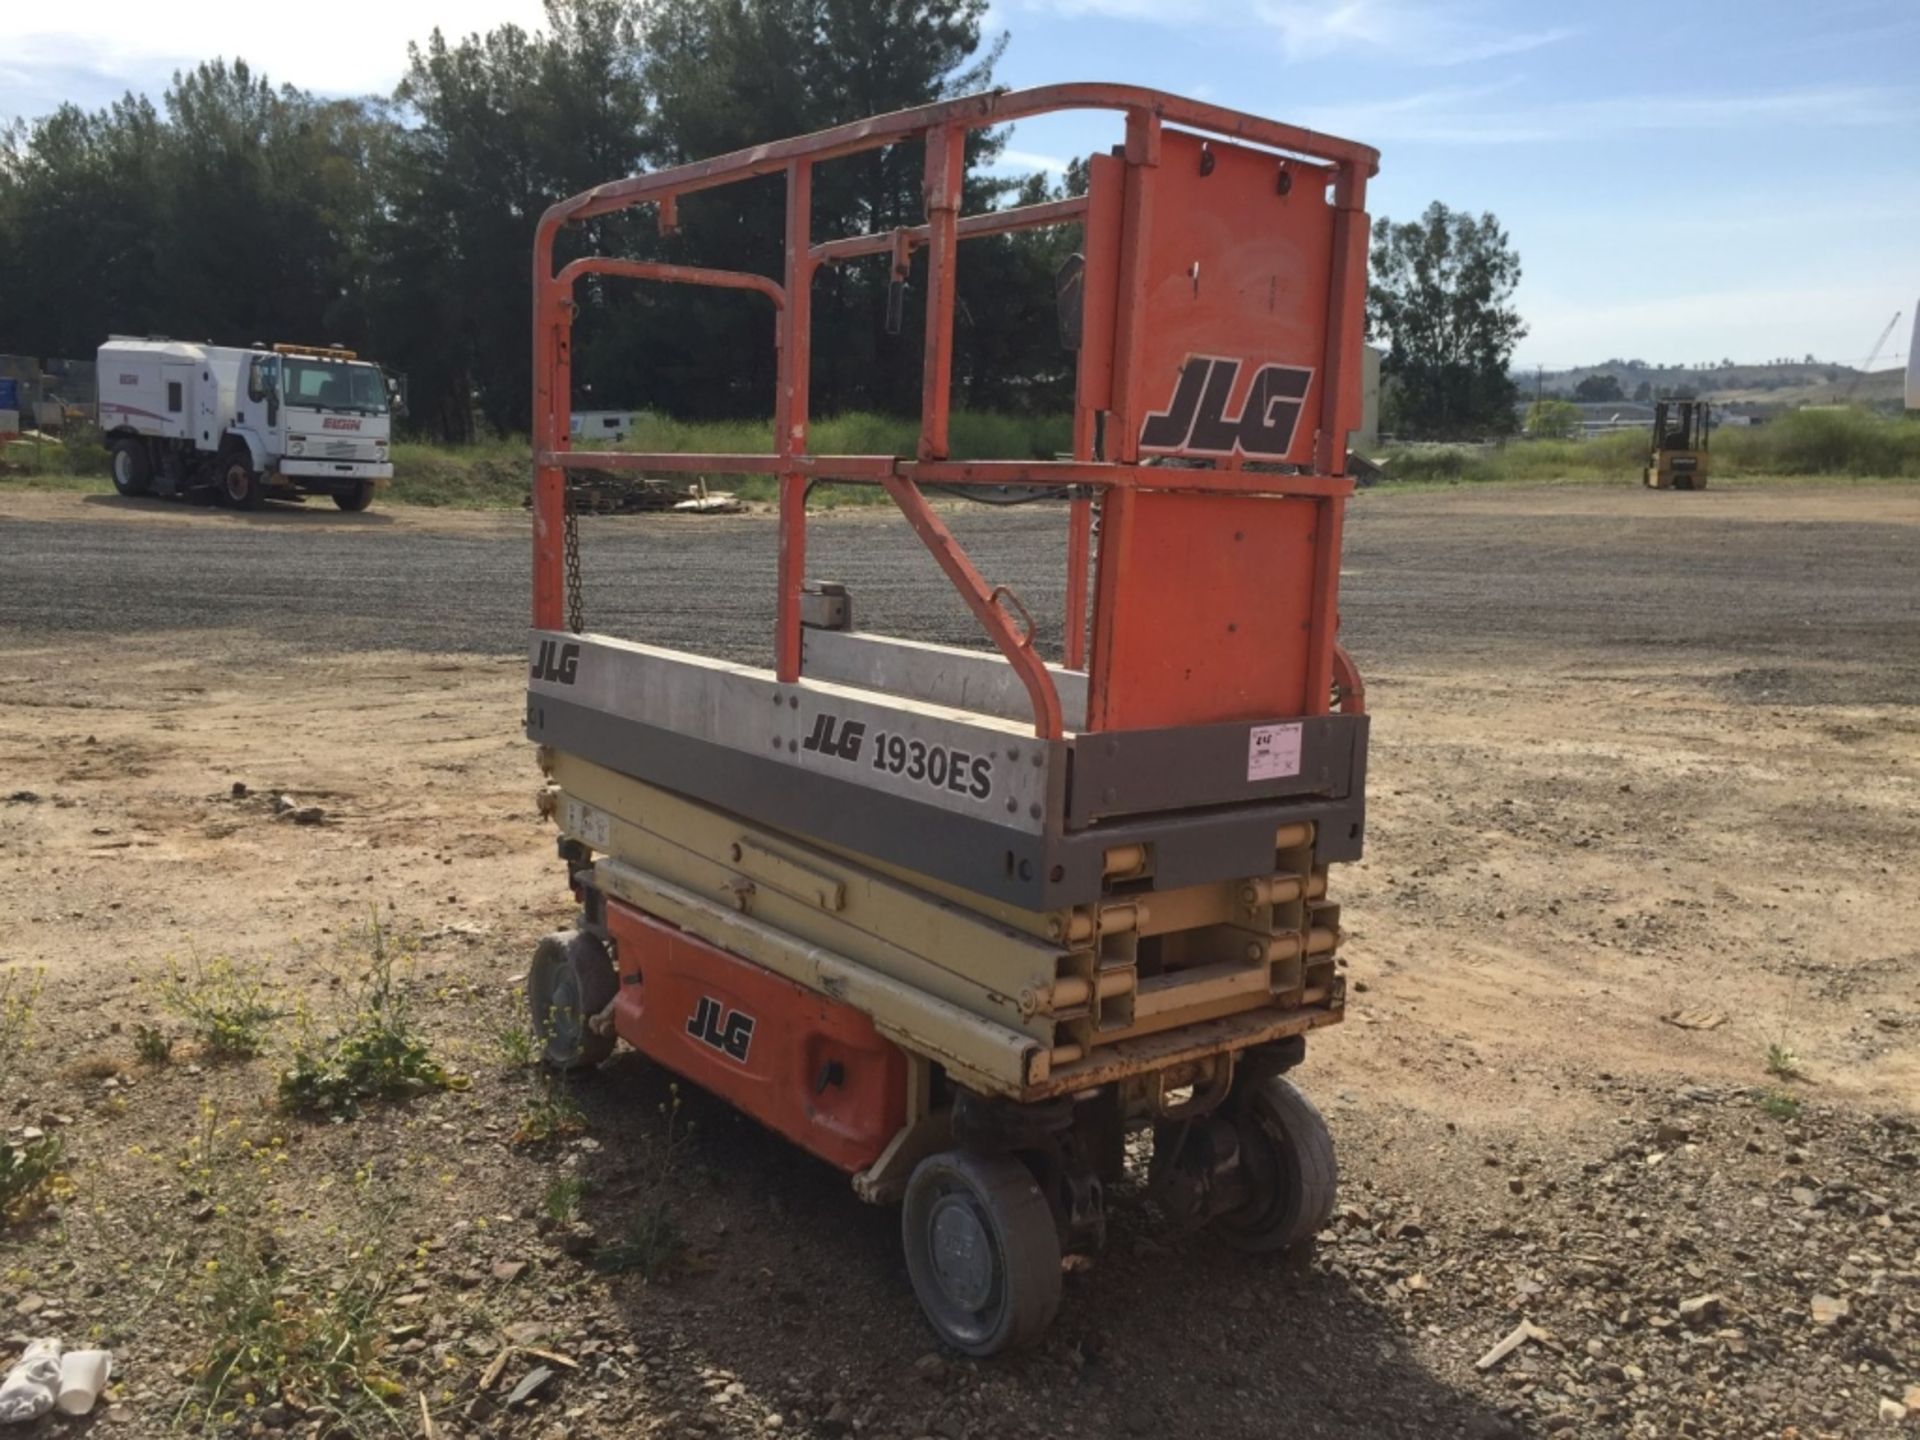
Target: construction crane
x=1872, y=355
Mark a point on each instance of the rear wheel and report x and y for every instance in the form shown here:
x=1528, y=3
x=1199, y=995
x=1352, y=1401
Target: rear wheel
x=982, y=1250
x=358, y=498
x=132, y=469
x=1287, y=1156
x=571, y=981
x=239, y=488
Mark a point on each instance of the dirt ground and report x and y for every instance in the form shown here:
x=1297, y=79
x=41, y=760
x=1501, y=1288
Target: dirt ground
x=1635, y=757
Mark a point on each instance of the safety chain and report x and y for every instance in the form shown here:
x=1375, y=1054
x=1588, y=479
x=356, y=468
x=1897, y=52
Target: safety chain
x=570, y=534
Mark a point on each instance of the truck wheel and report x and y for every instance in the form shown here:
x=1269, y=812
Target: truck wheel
x=982, y=1251
x=571, y=981
x=356, y=499
x=1290, y=1168
x=239, y=488
x=132, y=471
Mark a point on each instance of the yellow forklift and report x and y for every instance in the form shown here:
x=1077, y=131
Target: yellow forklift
x=1678, y=459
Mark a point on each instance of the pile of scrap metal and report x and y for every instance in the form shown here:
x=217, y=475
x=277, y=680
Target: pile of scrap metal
x=599, y=493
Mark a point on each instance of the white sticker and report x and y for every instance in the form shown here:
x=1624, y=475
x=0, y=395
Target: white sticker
x=1273, y=751
x=591, y=826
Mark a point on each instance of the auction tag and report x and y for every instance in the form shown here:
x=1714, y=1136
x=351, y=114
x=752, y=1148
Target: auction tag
x=1273, y=751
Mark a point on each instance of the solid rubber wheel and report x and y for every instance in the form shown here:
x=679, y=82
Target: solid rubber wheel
x=132, y=472
x=570, y=981
x=358, y=498
x=240, y=488
x=982, y=1251
x=1288, y=1156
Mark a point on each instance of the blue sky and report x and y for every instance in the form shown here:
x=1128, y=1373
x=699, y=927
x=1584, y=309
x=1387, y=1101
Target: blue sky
x=1684, y=180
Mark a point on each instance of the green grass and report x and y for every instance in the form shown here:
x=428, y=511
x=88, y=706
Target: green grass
x=1845, y=445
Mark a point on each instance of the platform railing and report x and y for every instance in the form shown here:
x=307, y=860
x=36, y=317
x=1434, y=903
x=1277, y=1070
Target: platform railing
x=943, y=127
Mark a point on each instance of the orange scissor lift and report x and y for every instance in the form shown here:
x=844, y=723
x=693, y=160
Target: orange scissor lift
x=957, y=920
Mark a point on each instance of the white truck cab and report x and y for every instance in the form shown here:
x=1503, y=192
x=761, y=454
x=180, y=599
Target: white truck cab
x=291, y=420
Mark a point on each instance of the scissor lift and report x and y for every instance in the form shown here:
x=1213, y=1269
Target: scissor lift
x=957, y=920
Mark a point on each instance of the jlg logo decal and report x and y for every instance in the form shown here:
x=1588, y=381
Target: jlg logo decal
x=836, y=737
x=1196, y=422
x=936, y=766
x=728, y=1031
x=556, y=662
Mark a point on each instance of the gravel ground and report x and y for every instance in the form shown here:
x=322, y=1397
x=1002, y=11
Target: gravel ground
x=1457, y=578
x=1634, y=755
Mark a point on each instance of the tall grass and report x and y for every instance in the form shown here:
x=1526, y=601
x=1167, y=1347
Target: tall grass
x=496, y=472
x=1850, y=443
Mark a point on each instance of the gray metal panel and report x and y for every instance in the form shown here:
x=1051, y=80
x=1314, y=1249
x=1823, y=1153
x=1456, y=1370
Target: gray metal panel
x=1138, y=772
x=1034, y=871
x=1199, y=849
x=939, y=674
x=975, y=765
x=986, y=858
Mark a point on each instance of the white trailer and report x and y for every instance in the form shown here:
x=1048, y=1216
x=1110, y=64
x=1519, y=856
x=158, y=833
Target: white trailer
x=293, y=420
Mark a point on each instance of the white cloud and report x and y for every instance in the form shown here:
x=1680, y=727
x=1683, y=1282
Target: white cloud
x=1457, y=115
x=1826, y=320
x=344, y=47
x=1031, y=160
x=1418, y=34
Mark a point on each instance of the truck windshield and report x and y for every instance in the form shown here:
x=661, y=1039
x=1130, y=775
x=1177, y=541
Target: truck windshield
x=335, y=385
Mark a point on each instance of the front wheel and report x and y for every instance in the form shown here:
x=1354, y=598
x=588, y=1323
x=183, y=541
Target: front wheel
x=982, y=1251
x=356, y=499
x=1286, y=1153
x=132, y=469
x=239, y=487
x=571, y=981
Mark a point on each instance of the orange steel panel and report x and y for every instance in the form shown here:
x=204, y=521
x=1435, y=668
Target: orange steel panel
x=1234, y=329
x=810, y=1068
x=1204, y=612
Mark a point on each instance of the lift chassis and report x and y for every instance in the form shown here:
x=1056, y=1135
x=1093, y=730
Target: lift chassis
x=958, y=920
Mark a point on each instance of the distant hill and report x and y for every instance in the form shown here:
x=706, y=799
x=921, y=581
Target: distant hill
x=1785, y=384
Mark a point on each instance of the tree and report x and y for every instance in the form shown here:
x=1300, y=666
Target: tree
x=1440, y=300
x=1553, y=419
x=232, y=211
x=732, y=73
x=1643, y=392
x=1599, y=389
x=501, y=126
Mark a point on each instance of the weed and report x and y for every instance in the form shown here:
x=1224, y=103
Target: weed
x=516, y=1046
x=30, y=1166
x=225, y=1006
x=651, y=1244
x=1782, y=1063
x=29, y=1175
x=1780, y=1105
x=311, y=1335
x=564, y=1194
x=550, y=1111
x=376, y=1054
x=19, y=992
x=152, y=1044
